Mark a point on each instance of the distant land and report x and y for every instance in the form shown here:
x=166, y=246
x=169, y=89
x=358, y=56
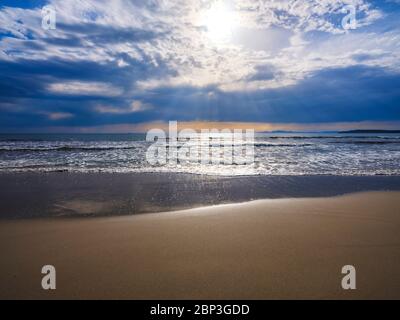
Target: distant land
x=285, y=131
x=371, y=131
x=348, y=131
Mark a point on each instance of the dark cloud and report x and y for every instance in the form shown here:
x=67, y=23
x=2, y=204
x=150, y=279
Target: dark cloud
x=106, y=34
x=72, y=41
x=344, y=94
x=363, y=57
x=334, y=95
x=264, y=72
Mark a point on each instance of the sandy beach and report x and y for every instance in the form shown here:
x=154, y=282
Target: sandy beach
x=213, y=150
x=265, y=249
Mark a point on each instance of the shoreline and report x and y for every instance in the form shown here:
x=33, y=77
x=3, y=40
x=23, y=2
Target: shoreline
x=38, y=195
x=197, y=209
x=265, y=249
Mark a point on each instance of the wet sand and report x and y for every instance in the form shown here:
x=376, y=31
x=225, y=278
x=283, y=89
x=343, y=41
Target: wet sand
x=266, y=249
x=64, y=194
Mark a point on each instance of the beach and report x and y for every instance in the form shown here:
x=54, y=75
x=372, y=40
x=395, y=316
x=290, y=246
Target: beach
x=266, y=249
x=210, y=150
x=31, y=195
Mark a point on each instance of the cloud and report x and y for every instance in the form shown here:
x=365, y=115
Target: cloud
x=355, y=93
x=171, y=34
x=305, y=16
x=138, y=106
x=59, y=115
x=135, y=107
x=110, y=62
x=79, y=88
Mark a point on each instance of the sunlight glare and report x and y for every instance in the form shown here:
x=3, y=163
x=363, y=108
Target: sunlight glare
x=220, y=22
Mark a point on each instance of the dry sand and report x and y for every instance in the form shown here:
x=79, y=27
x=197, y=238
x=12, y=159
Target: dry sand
x=291, y=248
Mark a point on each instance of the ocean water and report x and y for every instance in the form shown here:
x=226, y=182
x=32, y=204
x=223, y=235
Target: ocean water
x=274, y=154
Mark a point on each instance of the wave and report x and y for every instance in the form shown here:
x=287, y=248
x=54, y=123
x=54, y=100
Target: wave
x=111, y=148
x=330, y=137
x=63, y=148
x=23, y=140
x=282, y=145
x=366, y=142
x=71, y=149
x=211, y=172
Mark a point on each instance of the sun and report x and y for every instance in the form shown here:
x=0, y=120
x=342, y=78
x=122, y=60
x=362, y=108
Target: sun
x=219, y=21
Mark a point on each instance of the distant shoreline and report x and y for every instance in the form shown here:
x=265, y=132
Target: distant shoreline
x=370, y=131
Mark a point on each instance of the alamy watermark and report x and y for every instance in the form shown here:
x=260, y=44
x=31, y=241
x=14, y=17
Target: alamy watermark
x=49, y=18
x=49, y=279
x=349, y=280
x=213, y=146
x=349, y=22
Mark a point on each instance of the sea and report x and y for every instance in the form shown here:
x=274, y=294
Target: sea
x=351, y=154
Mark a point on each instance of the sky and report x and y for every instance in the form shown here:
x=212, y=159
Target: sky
x=133, y=65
